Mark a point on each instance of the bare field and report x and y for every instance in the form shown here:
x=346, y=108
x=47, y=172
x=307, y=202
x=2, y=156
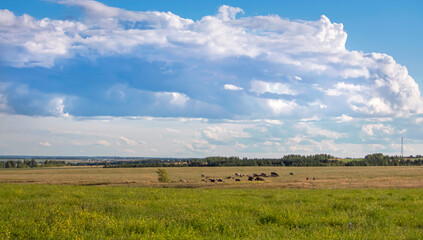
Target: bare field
x=325, y=177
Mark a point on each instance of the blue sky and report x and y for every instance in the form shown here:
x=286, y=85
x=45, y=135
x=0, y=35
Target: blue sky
x=200, y=78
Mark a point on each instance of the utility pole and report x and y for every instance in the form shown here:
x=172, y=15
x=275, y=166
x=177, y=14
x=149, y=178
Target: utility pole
x=402, y=147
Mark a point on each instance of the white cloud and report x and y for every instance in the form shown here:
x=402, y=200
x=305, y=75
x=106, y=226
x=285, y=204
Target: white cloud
x=7, y=18
x=57, y=107
x=172, y=130
x=370, y=128
x=224, y=132
x=318, y=103
x=280, y=106
x=232, y=87
x=42, y=40
x=342, y=88
x=372, y=84
x=311, y=119
x=379, y=119
x=103, y=142
x=175, y=98
x=129, y=151
x=241, y=146
x=219, y=36
x=196, y=138
x=297, y=139
x=261, y=87
x=313, y=130
x=344, y=118
x=325, y=145
x=273, y=121
x=127, y=141
x=45, y=144
x=402, y=131
x=228, y=13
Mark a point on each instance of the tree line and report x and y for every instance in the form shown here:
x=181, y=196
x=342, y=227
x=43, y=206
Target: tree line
x=32, y=163
x=292, y=160
x=378, y=159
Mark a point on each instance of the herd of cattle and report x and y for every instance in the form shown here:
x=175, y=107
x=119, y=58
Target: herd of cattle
x=238, y=176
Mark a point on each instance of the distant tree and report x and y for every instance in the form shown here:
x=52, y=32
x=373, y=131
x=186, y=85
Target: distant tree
x=20, y=164
x=33, y=163
x=163, y=176
x=10, y=164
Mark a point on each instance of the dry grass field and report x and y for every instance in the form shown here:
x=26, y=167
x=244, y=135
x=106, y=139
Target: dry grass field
x=325, y=177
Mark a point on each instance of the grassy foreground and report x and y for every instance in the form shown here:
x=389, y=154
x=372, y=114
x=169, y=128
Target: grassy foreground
x=96, y=212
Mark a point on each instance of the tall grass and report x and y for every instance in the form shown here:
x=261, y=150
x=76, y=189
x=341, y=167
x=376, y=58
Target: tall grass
x=92, y=212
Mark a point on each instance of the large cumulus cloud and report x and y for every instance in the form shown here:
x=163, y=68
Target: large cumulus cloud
x=279, y=68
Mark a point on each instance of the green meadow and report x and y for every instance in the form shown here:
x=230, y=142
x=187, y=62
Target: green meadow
x=30, y=211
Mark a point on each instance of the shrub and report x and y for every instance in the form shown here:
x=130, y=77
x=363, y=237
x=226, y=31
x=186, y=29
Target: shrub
x=163, y=175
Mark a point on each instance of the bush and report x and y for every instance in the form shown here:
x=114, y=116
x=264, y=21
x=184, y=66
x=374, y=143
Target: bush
x=163, y=175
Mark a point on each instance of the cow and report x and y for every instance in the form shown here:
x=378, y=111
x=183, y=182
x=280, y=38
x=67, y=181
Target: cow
x=307, y=178
x=259, y=179
x=314, y=178
x=291, y=173
x=212, y=180
x=274, y=174
x=219, y=180
x=250, y=178
x=237, y=180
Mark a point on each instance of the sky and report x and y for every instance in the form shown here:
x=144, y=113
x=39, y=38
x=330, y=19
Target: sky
x=207, y=78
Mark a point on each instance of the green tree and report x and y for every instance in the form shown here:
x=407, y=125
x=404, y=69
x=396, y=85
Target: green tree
x=20, y=164
x=163, y=176
x=33, y=163
x=10, y=164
